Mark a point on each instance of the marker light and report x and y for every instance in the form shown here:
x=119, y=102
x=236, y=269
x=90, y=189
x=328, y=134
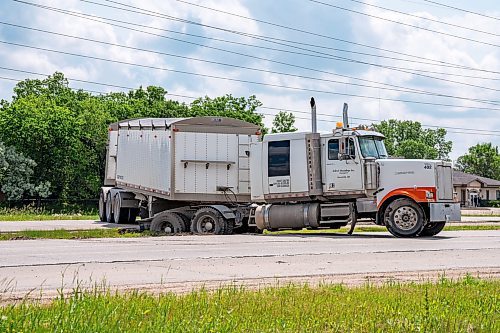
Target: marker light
x=339, y=124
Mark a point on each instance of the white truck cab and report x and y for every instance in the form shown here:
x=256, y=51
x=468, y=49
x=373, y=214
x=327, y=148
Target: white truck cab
x=328, y=180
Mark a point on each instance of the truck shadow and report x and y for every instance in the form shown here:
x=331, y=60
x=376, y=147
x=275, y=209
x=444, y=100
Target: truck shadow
x=357, y=236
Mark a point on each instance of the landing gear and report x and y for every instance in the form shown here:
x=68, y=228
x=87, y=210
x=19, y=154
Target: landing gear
x=404, y=218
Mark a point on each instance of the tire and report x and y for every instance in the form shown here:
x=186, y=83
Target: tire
x=404, y=218
x=432, y=229
x=208, y=220
x=185, y=220
x=102, y=207
x=120, y=215
x=109, y=208
x=168, y=223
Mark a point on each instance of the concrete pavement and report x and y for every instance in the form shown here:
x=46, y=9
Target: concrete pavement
x=182, y=262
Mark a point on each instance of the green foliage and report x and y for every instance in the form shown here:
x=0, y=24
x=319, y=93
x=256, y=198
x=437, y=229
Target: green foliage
x=283, y=122
x=466, y=305
x=228, y=106
x=482, y=159
x=16, y=172
x=409, y=140
x=65, y=131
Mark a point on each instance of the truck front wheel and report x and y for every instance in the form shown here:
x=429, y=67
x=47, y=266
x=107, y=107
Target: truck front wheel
x=432, y=229
x=404, y=218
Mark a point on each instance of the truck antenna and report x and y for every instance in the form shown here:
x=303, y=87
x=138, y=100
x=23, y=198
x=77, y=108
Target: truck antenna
x=313, y=115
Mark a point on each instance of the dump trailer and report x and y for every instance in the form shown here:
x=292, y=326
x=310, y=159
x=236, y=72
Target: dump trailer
x=179, y=174
x=215, y=175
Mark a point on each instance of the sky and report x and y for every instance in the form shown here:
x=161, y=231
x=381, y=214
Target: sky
x=282, y=51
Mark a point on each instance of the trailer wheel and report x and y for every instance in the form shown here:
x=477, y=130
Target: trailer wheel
x=404, y=218
x=167, y=222
x=121, y=215
x=186, y=221
x=102, y=207
x=109, y=209
x=432, y=229
x=208, y=220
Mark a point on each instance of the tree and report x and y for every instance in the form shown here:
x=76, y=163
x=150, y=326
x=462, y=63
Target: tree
x=228, y=106
x=16, y=173
x=65, y=131
x=409, y=140
x=482, y=159
x=283, y=122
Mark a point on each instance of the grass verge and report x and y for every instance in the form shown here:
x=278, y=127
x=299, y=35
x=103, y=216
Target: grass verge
x=376, y=228
x=30, y=213
x=465, y=305
x=123, y=233
x=68, y=234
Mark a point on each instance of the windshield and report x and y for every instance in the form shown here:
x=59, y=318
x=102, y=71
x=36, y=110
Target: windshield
x=372, y=146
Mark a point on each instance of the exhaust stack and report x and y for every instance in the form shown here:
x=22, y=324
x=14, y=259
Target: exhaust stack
x=313, y=115
x=345, y=117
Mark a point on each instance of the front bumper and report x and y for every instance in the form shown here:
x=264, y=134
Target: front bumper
x=444, y=212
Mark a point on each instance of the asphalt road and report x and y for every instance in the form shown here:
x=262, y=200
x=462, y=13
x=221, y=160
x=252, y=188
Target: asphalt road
x=180, y=263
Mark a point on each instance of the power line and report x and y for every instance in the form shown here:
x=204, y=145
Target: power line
x=169, y=17
x=263, y=38
x=462, y=10
x=402, y=23
x=247, y=81
x=263, y=107
x=232, y=31
x=287, y=64
x=421, y=17
x=489, y=102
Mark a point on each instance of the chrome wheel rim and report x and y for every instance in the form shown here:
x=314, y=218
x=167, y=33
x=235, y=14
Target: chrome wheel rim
x=405, y=218
x=206, y=224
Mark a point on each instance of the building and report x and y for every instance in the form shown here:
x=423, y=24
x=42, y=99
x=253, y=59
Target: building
x=471, y=190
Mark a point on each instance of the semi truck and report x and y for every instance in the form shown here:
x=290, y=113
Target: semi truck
x=216, y=175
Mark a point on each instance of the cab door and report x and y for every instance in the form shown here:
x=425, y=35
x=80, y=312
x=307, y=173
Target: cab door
x=278, y=166
x=342, y=175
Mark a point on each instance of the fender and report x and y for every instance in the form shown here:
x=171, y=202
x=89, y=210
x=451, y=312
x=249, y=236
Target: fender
x=224, y=210
x=418, y=194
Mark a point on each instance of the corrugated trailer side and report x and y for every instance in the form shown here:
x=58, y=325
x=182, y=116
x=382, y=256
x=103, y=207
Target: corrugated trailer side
x=168, y=167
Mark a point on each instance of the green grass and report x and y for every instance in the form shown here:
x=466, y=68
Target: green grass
x=481, y=215
x=67, y=234
x=376, y=228
x=29, y=213
x=466, y=305
x=117, y=233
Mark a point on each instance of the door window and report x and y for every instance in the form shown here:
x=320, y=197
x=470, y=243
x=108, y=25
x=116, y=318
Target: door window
x=351, y=150
x=333, y=149
x=278, y=163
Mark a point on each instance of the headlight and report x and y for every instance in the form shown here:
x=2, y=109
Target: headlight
x=429, y=194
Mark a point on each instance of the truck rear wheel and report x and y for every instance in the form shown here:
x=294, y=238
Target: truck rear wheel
x=208, y=220
x=167, y=222
x=109, y=208
x=404, y=218
x=432, y=229
x=102, y=207
x=120, y=215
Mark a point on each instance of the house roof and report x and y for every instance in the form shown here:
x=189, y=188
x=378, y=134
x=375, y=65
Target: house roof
x=462, y=178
